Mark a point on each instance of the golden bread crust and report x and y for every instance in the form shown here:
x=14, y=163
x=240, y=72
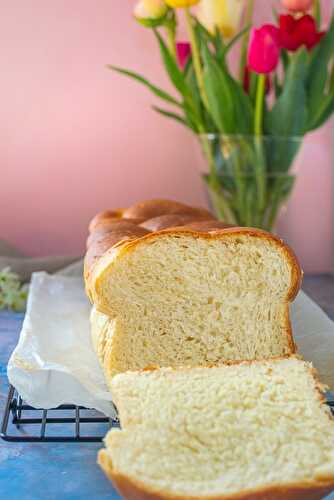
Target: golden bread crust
x=119, y=226
x=151, y=217
x=131, y=489
x=154, y=208
x=94, y=268
x=112, y=226
x=173, y=220
x=313, y=489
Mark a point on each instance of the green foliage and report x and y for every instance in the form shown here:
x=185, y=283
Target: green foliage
x=153, y=88
x=13, y=295
x=288, y=115
x=176, y=76
x=229, y=106
x=317, y=80
x=174, y=116
x=249, y=174
x=317, y=13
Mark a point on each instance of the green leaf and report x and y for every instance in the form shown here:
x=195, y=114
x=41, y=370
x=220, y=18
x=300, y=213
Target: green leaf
x=156, y=90
x=220, y=48
x=285, y=59
x=277, y=86
x=195, y=112
x=318, y=71
x=188, y=66
x=317, y=13
x=175, y=74
x=243, y=108
x=219, y=94
x=237, y=37
x=324, y=112
x=202, y=31
x=331, y=79
x=170, y=114
x=203, y=120
x=229, y=106
x=288, y=116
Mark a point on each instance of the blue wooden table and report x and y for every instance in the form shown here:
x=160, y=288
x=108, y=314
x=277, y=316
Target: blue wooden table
x=47, y=471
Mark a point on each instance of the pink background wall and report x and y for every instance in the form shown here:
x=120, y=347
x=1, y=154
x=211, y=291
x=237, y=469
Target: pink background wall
x=76, y=138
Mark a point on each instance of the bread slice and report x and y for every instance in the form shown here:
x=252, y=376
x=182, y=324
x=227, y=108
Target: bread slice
x=241, y=431
x=181, y=297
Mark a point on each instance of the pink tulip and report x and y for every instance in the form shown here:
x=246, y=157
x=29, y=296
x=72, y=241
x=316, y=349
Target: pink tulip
x=264, y=49
x=297, y=5
x=183, y=51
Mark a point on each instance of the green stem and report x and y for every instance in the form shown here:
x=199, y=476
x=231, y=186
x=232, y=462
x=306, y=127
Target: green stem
x=259, y=165
x=196, y=57
x=171, y=39
x=260, y=92
x=245, y=38
x=331, y=80
x=239, y=179
x=220, y=204
x=208, y=153
x=317, y=13
x=278, y=196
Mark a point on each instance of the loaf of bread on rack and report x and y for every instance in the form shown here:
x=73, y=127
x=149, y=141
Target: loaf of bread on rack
x=194, y=294
x=254, y=430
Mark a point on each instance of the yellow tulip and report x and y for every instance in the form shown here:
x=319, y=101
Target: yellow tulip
x=222, y=14
x=181, y=3
x=155, y=8
x=150, y=12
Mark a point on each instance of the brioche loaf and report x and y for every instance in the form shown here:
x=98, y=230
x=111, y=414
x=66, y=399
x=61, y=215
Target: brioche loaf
x=190, y=295
x=254, y=430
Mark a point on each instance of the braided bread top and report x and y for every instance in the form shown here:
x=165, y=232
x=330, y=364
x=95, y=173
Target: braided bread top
x=113, y=227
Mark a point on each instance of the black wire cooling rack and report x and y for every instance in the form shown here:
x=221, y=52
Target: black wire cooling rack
x=66, y=423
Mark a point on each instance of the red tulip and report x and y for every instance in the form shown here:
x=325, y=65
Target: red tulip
x=297, y=5
x=297, y=32
x=246, y=81
x=183, y=51
x=264, y=49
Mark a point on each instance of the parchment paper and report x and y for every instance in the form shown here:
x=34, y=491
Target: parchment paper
x=54, y=362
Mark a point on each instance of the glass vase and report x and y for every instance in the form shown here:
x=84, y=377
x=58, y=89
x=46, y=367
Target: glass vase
x=249, y=178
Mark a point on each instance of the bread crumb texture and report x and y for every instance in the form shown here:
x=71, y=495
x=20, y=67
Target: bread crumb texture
x=179, y=299
x=220, y=430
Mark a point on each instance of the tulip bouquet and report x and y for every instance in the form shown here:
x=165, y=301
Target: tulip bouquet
x=250, y=124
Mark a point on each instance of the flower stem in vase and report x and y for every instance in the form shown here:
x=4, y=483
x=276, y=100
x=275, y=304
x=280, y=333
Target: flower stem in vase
x=259, y=165
x=220, y=204
x=245, y=39
x=317, y=13
x=196, y=57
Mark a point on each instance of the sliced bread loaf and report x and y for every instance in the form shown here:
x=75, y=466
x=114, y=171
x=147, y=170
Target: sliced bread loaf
x=182, y=297
x=254, y=430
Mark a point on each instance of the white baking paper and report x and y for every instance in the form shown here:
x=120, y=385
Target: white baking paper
x=54, y=361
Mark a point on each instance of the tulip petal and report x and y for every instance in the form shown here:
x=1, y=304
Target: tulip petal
x=295, y=33
x=222, y=14
x=264, y=49
x=297, y=5
x=183, y=51
x=155, y=8
x=177, y=4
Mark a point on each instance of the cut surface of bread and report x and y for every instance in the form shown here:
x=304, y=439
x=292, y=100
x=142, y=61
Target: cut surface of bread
x=179, y=297
x=250, y=430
